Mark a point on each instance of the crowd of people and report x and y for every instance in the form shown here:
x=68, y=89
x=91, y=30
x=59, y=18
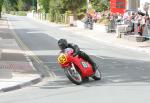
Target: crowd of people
x=136, y=21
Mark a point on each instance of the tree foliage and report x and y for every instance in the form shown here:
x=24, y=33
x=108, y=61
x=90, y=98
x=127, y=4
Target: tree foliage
x=45, y=5
x=25, y=5
x=61, y=6
x=1, y=3
x=74, y=6
x=21, y=5
x=7, y=5
x=100, y=5
x=15, y=5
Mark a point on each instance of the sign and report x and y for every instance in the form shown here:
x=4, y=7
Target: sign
x=118, y=6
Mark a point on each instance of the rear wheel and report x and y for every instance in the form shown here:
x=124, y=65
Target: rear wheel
x=97, y=75
x=73, y=75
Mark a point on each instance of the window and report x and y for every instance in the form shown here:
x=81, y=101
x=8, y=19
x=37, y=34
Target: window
x=120, y=4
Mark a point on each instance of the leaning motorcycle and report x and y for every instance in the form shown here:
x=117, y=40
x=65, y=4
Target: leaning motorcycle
x=75, y=68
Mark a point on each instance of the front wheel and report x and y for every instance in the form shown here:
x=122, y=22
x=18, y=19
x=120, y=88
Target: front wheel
x=97, y=75
x=73, y=75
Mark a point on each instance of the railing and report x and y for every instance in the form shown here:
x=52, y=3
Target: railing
x=60, y=18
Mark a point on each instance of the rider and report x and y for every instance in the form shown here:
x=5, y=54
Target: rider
x=63, y=44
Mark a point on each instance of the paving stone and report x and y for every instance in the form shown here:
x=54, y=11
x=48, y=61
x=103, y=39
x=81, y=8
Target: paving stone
x=6, y=35
x=8, y=44
x=12, y=57
x=5, y=74
x=15, y=66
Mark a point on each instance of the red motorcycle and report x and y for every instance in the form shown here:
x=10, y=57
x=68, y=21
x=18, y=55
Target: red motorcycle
x=75, y=68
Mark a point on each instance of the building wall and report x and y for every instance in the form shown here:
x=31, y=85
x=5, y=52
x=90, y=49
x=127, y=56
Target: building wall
x=117, y=6
x=133, y=4
x=122, y=5
x=142, y=4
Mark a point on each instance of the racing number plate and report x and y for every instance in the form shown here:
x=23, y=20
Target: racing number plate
x=62, y=59
x=84, y=64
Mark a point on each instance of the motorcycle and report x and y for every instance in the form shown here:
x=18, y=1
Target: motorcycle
x=75, y=68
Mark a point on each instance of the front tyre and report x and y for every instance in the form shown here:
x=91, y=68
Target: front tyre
x=97, y=75
x=74, y=76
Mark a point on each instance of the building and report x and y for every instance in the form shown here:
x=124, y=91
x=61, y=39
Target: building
x=145, y=5
x=120, y=6
x=117, y=6
x=133, y=4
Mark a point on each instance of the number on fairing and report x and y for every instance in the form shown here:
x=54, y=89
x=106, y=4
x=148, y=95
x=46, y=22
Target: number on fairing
x=62, y=59
x=84, y=64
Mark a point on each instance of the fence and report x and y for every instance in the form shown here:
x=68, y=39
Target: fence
x=58, y=18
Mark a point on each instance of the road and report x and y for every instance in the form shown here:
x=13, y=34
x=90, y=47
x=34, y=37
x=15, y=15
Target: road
x=125, y=73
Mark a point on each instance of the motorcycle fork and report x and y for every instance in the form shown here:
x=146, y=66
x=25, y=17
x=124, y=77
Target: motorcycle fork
x=73, y=70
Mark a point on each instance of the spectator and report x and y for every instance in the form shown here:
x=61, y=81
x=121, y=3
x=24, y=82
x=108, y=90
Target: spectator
x=147, y=19
x=95, y=17
x=119, y=18
x=132, y=22
x=127, y=17
x=141, y=25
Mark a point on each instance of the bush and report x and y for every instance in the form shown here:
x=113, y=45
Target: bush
x=81, y=15
x=21, y=13
x=68, y=13
x=12, y=12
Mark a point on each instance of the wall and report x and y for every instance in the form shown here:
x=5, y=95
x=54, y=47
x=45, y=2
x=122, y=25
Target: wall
x=133, y=4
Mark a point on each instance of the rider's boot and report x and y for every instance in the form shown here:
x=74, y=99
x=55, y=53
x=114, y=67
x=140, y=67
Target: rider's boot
x=94, y=67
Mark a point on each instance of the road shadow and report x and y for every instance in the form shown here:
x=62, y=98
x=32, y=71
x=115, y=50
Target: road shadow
x=120, y=71
x=115, y=71
x=35, y=40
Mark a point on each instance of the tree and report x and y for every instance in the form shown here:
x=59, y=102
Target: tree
x=10, y=5
x=25, y=5
x=7, y=5
x=73, y=6
x=21, y=5
x=1, y=4
x=55, y=10
x=45, y=5
x=31, y=4
x=100, y=5
x=15, y=5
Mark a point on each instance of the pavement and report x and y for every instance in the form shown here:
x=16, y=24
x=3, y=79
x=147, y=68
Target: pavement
x=16, y=70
